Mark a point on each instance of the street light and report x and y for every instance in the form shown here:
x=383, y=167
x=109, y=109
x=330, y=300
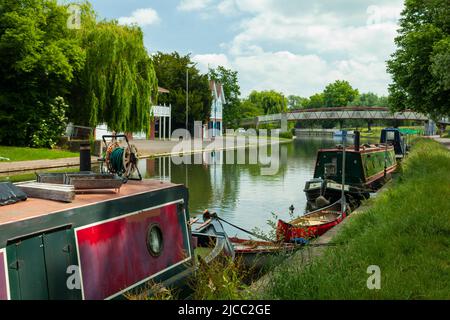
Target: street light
x=187, y=95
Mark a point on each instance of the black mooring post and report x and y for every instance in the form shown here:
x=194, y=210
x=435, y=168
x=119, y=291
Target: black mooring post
x=85, y=157
x=357, y=140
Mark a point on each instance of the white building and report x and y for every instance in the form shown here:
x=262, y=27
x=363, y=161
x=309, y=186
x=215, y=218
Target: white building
x=216, y=120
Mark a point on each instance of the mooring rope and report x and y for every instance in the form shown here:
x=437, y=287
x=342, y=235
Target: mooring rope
x=246, y=231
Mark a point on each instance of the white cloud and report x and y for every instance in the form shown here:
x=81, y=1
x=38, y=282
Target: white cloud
x=193, y=5
x=206, y=61
x=298, y=47
x=141, y=17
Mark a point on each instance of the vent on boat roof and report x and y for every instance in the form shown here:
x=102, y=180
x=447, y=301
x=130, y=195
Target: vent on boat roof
x=10, y=194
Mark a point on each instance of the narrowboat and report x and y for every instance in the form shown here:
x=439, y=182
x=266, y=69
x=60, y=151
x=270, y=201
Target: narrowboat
x=368, y=167
x=94, y=239
x=396, y=138
x=312, y=225
x=100, y=246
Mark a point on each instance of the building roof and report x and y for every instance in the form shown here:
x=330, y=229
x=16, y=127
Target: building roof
x=163, y=90
x=217, y=90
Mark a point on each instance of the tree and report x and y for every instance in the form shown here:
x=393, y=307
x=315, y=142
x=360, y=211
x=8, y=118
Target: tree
x=369, y=100
x=250, y=110
x=420, y=65
x=171, y=69
x=229, y=80
x=118, y=81
x=38, y=58
x=315, y=101
x=296, y=102
x=271, y=102
x=339, y=94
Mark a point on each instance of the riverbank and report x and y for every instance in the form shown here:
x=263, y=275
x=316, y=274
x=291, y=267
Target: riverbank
x=406, y=233
x=51, y=159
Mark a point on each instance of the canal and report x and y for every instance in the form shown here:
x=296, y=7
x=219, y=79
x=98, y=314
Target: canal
x=239, y=193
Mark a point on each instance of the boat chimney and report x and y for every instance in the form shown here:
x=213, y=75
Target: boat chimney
x=357, y=140
x=85, y=157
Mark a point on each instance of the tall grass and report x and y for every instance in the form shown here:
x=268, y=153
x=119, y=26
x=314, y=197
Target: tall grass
x=406, y=233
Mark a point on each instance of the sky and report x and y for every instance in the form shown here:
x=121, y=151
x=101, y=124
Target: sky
x=291, y=46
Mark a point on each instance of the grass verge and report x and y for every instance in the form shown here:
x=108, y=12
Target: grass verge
x=25, y=154
x=406, y=233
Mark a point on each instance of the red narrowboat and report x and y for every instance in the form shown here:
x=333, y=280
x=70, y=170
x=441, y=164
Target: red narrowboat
x=102, y=245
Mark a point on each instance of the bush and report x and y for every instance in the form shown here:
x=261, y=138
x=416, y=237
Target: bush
x=286, y=135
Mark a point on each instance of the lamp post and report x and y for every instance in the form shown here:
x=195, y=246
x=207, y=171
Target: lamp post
x=187, y=99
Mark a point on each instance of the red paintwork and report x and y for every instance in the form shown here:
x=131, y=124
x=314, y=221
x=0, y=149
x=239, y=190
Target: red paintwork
x=114, y=255
x=3, y=282
x=288, y=232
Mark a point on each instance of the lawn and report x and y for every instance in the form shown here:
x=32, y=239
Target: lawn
x=24, y=154
x=406, y=233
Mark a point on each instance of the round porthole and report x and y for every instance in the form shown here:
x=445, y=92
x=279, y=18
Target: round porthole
x=155, y=241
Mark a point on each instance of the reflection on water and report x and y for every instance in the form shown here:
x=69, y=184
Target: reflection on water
x=239, y=193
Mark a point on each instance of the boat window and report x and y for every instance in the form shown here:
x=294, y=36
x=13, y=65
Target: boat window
x=330, y=168
x=390, y=136
x=155, y=241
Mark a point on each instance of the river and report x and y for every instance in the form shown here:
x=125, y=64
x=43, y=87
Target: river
x=239, y=193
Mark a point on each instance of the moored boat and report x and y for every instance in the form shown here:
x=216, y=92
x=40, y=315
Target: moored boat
x=312, y=225
x=210, y=240
x=255, y=255
x=368, y=167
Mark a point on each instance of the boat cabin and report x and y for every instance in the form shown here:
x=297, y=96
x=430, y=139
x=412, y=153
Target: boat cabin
x=102, y=245
x=396, y=138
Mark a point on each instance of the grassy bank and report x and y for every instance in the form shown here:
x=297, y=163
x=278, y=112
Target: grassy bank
x=406, y=233
x=24, y=154
x=375, y=132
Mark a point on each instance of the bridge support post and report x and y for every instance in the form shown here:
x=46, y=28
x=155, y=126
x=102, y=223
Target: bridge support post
x=284, y=123
x=369, y=125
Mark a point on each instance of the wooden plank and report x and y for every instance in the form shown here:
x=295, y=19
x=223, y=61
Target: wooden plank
x=47, y=191
x=89, y=182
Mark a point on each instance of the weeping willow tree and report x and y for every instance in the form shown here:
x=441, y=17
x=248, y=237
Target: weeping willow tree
x=118, y=81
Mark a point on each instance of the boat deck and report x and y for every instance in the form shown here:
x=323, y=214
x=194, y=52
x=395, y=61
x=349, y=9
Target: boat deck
x=33, y=208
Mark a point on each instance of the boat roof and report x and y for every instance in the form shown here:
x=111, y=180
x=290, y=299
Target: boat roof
x=33, y=208
x=362, y=149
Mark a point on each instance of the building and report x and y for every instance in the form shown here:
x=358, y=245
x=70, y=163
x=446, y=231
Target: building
x=215, y=125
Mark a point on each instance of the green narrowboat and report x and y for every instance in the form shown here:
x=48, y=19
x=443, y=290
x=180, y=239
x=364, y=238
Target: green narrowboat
x=367, y=167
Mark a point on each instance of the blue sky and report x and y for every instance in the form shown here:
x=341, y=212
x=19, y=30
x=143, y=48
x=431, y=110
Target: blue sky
x=292, y=46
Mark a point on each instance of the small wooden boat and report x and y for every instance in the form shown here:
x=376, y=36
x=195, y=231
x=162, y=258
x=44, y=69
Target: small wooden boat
x=255, y=255
x=312, y=225
x=210, y=239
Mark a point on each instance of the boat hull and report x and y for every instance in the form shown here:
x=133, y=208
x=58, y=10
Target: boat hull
x=60, y=251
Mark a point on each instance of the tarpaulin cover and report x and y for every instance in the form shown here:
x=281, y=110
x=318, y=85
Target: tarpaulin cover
x=10, y=194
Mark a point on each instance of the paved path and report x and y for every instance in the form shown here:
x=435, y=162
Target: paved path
x=146, y=149
x=444, y=141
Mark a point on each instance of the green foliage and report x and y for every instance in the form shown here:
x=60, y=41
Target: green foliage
x=296, y=102
x=405, y=232
x=250, y=110
x=221, y=279
x=369, y=100
x=271, y=102
x=38, y=58
x=315, y=101
x=52, y=127
x=118, y=81
x=171, y=73
x=229, y=80
x=339, y=94
x=420, y=65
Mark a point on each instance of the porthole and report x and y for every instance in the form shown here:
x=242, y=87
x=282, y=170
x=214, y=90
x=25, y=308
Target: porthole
x=155, y=240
